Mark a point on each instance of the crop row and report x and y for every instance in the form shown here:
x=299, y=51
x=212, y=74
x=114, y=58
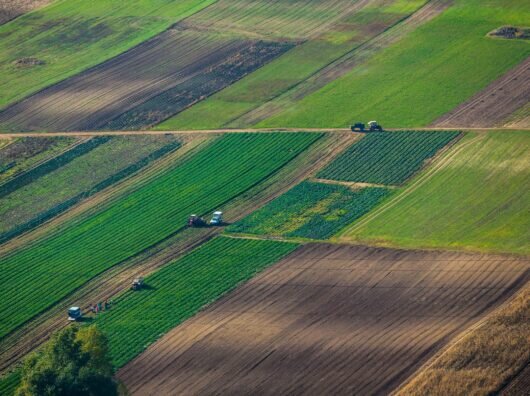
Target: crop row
x=83, y=249
x=182, y=288
x=65, y=205
x=387, y=157
x=51, y=165
x=311, y=210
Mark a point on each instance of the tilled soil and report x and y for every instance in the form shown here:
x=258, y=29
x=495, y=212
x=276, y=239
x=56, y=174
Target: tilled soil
x=494, y=105
x=328, y=319
x=10, y=9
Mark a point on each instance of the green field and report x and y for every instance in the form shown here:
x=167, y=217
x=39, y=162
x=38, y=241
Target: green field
x=181, y=289
x=69, y=36
x=426, y=74
x=311, y=210
x=229, y=106
x=386, y=157
x=20, y=155
x=85, y=174
x=82, y=249
x=475, y=197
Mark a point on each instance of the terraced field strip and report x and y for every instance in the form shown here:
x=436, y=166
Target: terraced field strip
x=86, y=174
x=364, y=20
x=65, y=261
x=21, y=154
x=327, y=319
x=383, y=34
x=471, y=198
x=48, y=45
x=495, y=104
x=118, y=278
x=387, y=157
x=415, y=81
x=310, y=210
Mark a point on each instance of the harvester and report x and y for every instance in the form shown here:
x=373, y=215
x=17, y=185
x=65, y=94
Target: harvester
x=217, y=219
x=197, y=221
x=372, y=127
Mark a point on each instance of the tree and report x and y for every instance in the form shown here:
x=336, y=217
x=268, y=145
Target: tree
x=75, y=362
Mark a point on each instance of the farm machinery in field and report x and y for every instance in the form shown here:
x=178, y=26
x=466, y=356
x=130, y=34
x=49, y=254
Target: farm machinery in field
x=197, y=221
x=373, y=126
x=137, y=283
x=74, y=314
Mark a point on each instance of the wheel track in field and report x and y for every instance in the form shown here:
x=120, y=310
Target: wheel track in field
x=118, y=278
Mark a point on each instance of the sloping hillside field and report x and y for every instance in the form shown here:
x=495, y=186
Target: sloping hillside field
x=188, y=62
x=327, y=319
x=474, y=197
x=80, y=250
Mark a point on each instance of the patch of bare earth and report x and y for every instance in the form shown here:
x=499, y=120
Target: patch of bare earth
x=117, y=279
x=494, y=105
x=484, y=360
x=328, y=319
x=10, y=9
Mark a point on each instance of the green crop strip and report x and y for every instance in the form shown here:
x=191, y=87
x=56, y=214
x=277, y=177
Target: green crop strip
x=51, y=165
x=311, y=210
x=208, y=179
x=386, y=157
x=181, y=289
x=65, y=205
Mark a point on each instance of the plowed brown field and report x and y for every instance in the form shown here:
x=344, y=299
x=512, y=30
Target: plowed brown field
x=328, y=319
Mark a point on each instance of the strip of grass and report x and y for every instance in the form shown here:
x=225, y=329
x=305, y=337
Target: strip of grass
x=225, y=107
x=432, y=70
x=386, y=157
x=181, y=289
x=311, y=210
x=477, y=199
x=58, y=41
x=29, y=213
x=51, y=165
x=24, y=153
x=155, y=211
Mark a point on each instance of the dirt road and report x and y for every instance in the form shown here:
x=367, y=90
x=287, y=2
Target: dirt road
x=328, y=319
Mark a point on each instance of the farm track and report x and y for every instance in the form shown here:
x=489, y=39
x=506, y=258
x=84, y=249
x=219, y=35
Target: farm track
x=344, y=64
x=328, y=319
x=117, y=279
x=201, y=132
x=494, y=104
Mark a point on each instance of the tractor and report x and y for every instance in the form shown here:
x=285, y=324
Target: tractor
x=196, y=221
x=217, y=219
x=74, y=314
x=137, y=283
x=372, y=127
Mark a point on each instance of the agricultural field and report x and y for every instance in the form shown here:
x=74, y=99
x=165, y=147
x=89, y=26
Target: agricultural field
x=232, y=106
x=387, y=157
x=208, y=179
x=19, y=155
x=311, y=210
x=46, y=46
x=436, y=67
x=201, y=55
x=472, y=198
x=327, y=319
x=181, y=289
x=10, y=9
x=88, y=172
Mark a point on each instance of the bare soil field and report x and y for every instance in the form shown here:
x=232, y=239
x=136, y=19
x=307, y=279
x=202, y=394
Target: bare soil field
x=116, y=280
x=494, y=105
x=10, y=9
x=94, y=98
x=328, y=319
